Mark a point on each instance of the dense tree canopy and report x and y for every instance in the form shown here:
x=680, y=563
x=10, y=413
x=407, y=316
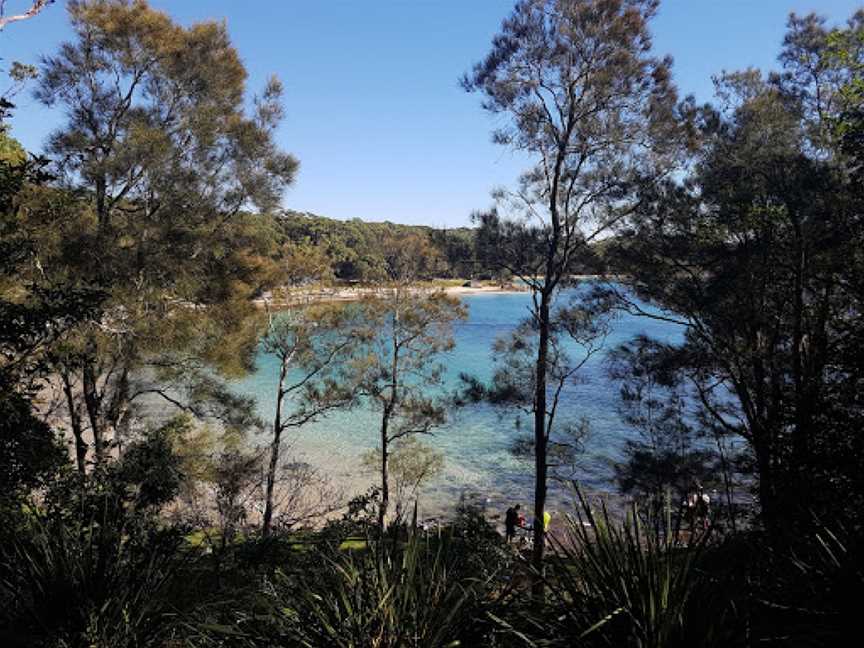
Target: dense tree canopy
x=758, y=253
x=356, y=251
x=156, y=164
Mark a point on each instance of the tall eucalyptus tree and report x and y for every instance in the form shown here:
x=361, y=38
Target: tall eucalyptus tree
x=399, y=369
x=163, y=158
x=577, y=90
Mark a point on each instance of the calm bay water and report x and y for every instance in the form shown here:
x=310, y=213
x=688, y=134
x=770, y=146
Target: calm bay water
x=477, y=441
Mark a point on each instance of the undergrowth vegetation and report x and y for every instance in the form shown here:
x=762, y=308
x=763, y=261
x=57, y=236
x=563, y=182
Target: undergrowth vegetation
x=120, y=577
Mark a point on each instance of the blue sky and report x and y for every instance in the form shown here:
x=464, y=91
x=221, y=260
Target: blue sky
x=374, y=111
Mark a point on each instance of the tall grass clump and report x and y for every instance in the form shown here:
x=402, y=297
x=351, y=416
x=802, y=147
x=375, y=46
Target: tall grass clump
x=91, y=562
x=613, y=583
x=809, y=593
x=390, y=594
x=85, y=584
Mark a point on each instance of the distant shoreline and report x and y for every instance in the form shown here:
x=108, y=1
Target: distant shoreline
x=343, y=294
x=457, y=288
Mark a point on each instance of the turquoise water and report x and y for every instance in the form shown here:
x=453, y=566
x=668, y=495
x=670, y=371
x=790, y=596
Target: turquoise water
x=476, y=442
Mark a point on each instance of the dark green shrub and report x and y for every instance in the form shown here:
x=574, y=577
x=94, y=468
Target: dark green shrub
x=93, y=564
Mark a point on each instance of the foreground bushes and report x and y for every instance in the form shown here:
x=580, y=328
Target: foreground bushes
x=620, y=584
x=388, y=595
x=86, y=585
x=116, y=577
x=344, y=590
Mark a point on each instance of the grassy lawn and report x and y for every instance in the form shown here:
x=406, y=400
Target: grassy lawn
x=300, y=541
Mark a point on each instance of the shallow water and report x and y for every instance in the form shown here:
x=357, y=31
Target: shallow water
x=476, y=442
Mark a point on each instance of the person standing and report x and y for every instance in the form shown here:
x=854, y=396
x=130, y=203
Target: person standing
x=698, y=505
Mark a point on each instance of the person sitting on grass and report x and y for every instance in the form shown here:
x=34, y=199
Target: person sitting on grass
x=512, y=519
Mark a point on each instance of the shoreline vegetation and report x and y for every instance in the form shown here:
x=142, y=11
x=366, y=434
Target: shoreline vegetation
x=147, y=503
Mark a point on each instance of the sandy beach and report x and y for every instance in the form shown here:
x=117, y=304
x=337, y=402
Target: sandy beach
x=343, y=293
x=453, y=287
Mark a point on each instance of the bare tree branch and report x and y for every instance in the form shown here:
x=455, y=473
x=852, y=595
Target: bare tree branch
x=38, y=5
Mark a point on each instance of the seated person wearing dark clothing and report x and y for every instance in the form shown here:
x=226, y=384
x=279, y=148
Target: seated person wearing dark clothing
x=511, y=521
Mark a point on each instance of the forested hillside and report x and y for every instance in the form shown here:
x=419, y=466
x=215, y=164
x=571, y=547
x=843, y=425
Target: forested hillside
x=356, y=248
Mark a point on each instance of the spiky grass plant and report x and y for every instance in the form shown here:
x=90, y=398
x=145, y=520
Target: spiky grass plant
x=389, y=595
x=809, y=593
x=88, y=583
x=611, y=583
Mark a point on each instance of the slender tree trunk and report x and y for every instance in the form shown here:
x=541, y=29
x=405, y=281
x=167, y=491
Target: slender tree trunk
x=552, y=272
x=727, y=482
x=763, y=448
x=75, y=420
x=385, y=418
x=119, y=411
x=540, y=464
x=91, y=402
x=274, y=451
x=798, y=481
x=385, y=482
